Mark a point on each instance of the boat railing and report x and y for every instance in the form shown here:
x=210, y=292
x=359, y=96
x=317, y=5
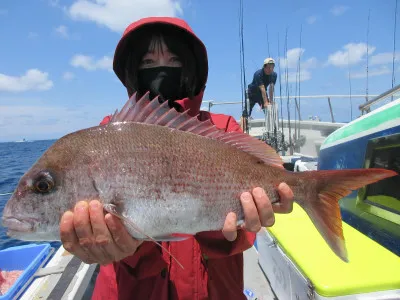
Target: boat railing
x=366, y=107
x=273, y=125
x=272, y=112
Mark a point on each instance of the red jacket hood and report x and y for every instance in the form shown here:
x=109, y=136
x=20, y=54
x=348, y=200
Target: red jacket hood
x=200, y=53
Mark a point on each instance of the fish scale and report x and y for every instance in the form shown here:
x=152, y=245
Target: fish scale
x=186, y=175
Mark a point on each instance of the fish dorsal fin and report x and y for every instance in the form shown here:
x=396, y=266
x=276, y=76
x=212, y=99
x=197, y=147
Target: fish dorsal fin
x=153, y=112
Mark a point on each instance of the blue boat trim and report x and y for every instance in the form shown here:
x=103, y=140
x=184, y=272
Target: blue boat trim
x=381, y=236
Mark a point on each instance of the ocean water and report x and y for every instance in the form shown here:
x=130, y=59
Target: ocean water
x=15, y=160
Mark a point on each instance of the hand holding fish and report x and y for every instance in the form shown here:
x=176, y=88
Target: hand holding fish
x=258, y=210
x=94, y=237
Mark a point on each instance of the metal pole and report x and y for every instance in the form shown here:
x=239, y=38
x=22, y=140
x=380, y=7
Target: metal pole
x=330, y=108
x=382, y=96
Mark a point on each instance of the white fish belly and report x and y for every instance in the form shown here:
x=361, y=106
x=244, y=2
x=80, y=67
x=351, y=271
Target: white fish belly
x=180, y=214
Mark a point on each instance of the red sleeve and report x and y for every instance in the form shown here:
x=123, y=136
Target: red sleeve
x=233, y=125
x=147, y=261
x=221, y=121
x=105, y=120
x=214, y=244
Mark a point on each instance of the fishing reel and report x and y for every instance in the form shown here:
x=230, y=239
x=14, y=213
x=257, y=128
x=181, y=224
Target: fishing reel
x=276, y=140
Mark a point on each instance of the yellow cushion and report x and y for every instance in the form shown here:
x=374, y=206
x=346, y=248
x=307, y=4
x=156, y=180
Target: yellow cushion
x=371, y=267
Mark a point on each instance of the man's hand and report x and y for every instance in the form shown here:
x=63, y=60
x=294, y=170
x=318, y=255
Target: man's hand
x=258, y=210
x=93, y=237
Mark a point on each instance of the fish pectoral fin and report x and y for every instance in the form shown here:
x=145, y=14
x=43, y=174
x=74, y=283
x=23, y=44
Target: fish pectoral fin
x=112, y=209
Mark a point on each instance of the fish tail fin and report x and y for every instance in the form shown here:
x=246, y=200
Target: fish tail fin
x=320, y=199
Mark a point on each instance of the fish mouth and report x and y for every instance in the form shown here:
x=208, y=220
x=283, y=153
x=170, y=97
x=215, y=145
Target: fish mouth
x=16, y=225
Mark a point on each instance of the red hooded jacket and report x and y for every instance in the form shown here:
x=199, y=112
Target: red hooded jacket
x=213, y=266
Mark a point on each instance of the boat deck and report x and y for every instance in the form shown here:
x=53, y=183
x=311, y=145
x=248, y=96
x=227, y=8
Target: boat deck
x=67, y=277
x=64, y=277
x=254, y=278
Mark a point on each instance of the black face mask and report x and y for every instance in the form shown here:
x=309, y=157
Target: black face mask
x=160, y=81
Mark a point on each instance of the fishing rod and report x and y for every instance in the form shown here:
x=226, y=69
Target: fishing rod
x=369, y=13
x=271, y=115
x=269, y=53
x=394, y=46
x=297, y=93
x=351, y=100
x=240, y=57
x=243, y=69
x=299, y=66
x=295, y=107
x=280, y=92
x=287, y=94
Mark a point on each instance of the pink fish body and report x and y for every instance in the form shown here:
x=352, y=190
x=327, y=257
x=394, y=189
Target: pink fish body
x=167, y=174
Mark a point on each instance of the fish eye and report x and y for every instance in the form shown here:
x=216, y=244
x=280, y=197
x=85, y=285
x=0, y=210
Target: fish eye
x=44, y=183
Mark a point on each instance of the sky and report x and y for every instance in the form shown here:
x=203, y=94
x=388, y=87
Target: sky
x=56, y=56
